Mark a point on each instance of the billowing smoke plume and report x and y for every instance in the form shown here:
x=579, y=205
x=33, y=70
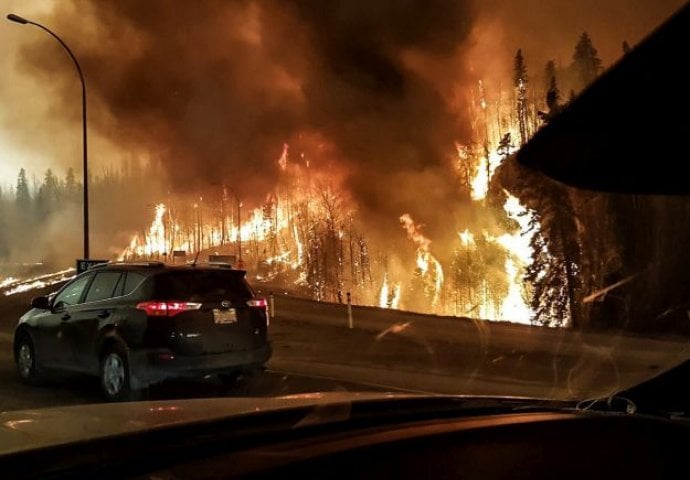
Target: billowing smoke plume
x=375, y=90
x=214, y=89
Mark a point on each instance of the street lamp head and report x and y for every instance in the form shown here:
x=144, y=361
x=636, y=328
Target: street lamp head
x=17, y=19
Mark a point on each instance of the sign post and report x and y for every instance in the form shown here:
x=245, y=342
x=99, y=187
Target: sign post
x=83, y=264
x=350, y=323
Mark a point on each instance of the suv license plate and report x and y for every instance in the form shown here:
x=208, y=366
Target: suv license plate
x=224, y=316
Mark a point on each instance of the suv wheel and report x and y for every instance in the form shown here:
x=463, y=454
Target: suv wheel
x=114, y=374
x=26, y=359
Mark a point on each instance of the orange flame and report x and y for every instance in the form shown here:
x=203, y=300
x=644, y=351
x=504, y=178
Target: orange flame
x=283, y=160
x=424, y=258
x=389, y=297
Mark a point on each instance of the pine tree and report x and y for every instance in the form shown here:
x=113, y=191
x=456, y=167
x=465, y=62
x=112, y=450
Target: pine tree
x=554, y=273
x=48, y=197
x=549, y=75
x=71, y=186
x=553, y=94
x=520, y=80
x=553, y=98
x=22, y=195
x=586, y=63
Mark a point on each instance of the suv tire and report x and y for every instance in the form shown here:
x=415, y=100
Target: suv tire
x=25, y=357
x=115, y=375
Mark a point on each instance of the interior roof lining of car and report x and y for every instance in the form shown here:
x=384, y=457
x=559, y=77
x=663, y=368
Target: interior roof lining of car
x=626, y=132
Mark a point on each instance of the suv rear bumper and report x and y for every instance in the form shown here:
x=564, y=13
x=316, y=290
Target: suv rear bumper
x=151, y=366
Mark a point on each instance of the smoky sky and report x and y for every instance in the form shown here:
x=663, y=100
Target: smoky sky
x=388, y=122
x=212, y=89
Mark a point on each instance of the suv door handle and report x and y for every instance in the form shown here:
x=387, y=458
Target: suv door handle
x=66, y=316
x=104, y=314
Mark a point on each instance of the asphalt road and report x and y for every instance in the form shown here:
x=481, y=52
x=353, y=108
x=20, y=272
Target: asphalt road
x=315, y=350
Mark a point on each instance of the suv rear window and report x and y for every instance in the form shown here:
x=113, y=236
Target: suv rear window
x=201, y=285
x=132, y=282
x=102, y=287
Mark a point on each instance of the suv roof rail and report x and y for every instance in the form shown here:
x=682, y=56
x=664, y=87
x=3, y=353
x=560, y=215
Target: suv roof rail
x=137, y=264
x=210, y=264
x=98, y=265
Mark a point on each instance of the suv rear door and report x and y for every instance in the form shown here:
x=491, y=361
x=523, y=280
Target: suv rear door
x=221, y=320
x=80, y=331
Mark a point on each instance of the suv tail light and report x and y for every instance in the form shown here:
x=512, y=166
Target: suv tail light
x=257, y=302
x=169, y=308
x=261, y=303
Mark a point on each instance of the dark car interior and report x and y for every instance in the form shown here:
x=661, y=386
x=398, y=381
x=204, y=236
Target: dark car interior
x=406, y=438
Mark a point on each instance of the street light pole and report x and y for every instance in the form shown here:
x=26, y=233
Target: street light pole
x=239, y=223
x=239, y=226
x=23, y=21
x=225, y=187
x=222, y=217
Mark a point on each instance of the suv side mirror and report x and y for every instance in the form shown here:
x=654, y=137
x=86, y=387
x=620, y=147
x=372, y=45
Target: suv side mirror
x=40, y=302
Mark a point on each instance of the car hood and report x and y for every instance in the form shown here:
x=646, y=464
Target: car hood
x=32, y=429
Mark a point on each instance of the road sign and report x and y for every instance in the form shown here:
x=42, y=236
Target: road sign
x=222, y=259
x=84, y=264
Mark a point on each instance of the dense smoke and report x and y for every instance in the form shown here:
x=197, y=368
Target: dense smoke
x=214, y=89
x=377, y=91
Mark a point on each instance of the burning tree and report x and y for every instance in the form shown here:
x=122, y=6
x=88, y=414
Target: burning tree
x=586, y=62
x=553, y=94
x=520, y=80
x=518, y=254
x=304, y=234
x=426, y=286
x=478, y=279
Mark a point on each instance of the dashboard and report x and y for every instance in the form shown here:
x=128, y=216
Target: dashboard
x=545, y=445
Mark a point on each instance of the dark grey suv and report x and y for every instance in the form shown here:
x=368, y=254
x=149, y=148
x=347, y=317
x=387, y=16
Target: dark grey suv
x=134, y=325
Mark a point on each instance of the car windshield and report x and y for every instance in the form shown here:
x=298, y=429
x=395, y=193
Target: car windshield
x=362, y=162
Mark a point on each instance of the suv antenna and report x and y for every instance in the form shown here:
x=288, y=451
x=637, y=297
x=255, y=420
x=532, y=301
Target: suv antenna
x=196, y=257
